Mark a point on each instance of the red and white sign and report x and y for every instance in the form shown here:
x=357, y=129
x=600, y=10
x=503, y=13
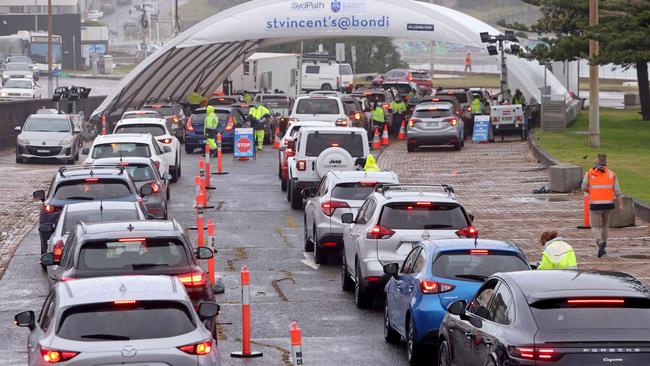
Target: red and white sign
x=244, y=145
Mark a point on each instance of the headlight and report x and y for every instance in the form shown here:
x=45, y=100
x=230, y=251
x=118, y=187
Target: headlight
x=3, y=94
x=21, y=140
x=66, y=141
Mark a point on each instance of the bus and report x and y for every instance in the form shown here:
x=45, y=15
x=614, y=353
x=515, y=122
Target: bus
x=34, y=45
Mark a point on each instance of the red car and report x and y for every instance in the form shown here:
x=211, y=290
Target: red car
x=419, y=77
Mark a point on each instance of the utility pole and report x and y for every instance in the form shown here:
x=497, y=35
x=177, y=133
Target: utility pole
x=49, y=49
x=35, y=15
x=594, y=102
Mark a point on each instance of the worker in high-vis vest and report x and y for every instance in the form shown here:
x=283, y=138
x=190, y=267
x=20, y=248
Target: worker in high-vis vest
x=399, y=111
x=557, y=254
x=368, y=164
x=477, y=105
x=257, y=114
x=210, y=127
x=194, y=99
x=604, y=195
x=378, y=116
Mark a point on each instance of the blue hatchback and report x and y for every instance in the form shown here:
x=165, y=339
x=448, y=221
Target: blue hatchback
x=229, y=119
x=433, y=275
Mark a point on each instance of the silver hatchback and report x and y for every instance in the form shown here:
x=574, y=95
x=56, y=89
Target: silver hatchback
x=123, y=320
x=435, y=124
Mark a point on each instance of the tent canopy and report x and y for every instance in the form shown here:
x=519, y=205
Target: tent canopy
x=203, y=56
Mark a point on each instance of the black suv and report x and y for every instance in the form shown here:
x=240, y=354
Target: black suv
x=121, y=248
x=173, y=114
x=75, y=184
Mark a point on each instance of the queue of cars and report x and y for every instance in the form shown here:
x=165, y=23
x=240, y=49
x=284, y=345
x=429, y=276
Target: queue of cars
x=18, y=79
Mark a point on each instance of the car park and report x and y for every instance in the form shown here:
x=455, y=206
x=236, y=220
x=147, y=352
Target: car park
x=145, y=320
x=320, y=108
x=229, y=118
x=393, y=220
x=327, y=76
x=15, y=89
x=338, y=193
x=74, y=184
x=556, y=317
x=47, y=136
x=129, y=145
x=433, y=275
x=173, y=114
x=18, y=70
x=158, y=129
x=88, y=212
x=434, y=124
x=286, y=152
x=319, y=150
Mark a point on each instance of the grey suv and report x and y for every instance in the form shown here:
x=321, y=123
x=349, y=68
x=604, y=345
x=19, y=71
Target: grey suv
x=435, y=124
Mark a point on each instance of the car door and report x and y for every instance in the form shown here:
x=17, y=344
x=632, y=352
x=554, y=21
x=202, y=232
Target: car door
x=500, y=317
x=311, y=77
x=312, y=205
x=349, y=235
x=403, y=290
x=42, y=325
x=164, y=158
x=364, y=244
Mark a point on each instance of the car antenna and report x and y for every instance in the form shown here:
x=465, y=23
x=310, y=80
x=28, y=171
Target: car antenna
x=476, y=240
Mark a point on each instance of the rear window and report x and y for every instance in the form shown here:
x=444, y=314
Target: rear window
x=72, y=218
x=350, y=106
x=432, y=113
x=141, y=172
x=123, y=322
x=276, y=100
x=423, y=215
x=154, y=130
x=420, y=75
x=380, y=98
x=476, y=265
x=132, y=255
x=222, y=101
x=121, y=149
x=198, y=118
x=92, y=190
x=317, y=106
x=558, y=314
x=462, y=97
x=345, y=70
x=164, y=110
x=318, y=142
x=353, y=191
x=141, y=115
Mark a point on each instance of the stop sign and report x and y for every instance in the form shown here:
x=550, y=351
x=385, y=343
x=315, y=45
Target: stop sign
x=244, y=145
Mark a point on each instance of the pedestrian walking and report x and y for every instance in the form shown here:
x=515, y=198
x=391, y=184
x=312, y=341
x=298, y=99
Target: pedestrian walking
x=557, y=254
x=258, y=113
x=210, y=127
x=604, y=191
x=399, y=110
x=468, y=62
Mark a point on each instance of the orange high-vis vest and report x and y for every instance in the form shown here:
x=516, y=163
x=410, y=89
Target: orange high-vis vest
x=601, y=186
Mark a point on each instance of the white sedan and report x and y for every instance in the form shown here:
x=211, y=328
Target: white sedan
x=157, y=127
x=20, y=89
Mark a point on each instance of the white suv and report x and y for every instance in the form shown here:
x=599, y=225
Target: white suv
x=157, y=127
x=338, y=193
x=391, y=221
x=319, y=150
x=129, y=144
x=320, y=108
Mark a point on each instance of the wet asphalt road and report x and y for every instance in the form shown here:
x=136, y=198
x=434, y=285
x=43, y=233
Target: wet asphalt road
x=255, y=226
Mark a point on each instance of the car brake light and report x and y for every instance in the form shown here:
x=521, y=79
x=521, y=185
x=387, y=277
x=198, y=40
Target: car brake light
x=166, y=141
x=201, y=348
x=413, y=121
x=124, y=302
x=379, y=232
x=468, y=232
x=595, y=301
x=55, y=356
x=289, y=152
x=373, y=279
x=175, y=119
x=386, y=105
x=131, y=240
x=410, y=77
x=302, y=165
x=57, y=250
x=194, y=279
x=155, y=187
x=424, y=204
x=532, y=353
x=330, y=206
x=469, y=109
x=188, y=124
x=433, y=287
x=367, y=183
x=479, y=252
x=343, y=122
x=357, y=115
x=91, y=180
x=51, y=208
x=230, y=125
x=452, y=121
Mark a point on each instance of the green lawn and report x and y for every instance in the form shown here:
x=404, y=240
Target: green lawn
x=625, y=138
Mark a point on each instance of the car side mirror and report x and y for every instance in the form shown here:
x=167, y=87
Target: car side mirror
x=167, y=176
x=457, y=308
x=203, y=253
x=146, y=190
x=391, y=269
x=533, y=265
x=85, y=151
x=347, y=218
x=166, y=149
x=25, y=319
x=46, y=228
x=18, y=128
x=208, y=310
x=47, y=259
x=39, y=195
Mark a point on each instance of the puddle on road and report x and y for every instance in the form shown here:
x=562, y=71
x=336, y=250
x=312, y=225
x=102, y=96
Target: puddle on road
x=636, y=256
x=539, y=199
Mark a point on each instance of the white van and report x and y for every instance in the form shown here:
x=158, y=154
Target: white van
x=327, y=76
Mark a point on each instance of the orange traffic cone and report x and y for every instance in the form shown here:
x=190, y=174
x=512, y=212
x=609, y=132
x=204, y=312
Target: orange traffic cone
x=276, y=142
x=402, y=131
x=384, y=136
x=376, y=145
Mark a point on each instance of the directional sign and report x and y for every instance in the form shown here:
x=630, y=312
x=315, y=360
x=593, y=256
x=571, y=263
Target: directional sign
x=481, y=131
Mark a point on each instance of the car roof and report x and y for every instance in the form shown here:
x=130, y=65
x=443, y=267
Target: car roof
x=319, y=96
x=332, y=129
x=140, y=111
x=310, y=123
x=410, y=196
x=48, y=116
x=439, y=105
x=124, y=137
x=137, y=121
x=217, y=108
x=95, y=205
x=548, y=284
x=89, y=171
x=130, y=229
x=355, y=176
x=466, y=244
x=108, y=289
x=125, y=159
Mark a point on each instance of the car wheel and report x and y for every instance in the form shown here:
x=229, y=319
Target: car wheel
x=188, y=149
x=283, y=185
x=169, y=194
x=346, y=282
x=19, y=160
x=414, y=351
x=457, y=145
x=43, y=251
x=444, y=354
x=319, y=256
x=296, y=198
x=411, y=147
x=289, y=190
x=309, y=245
x=174, y=174
x=362, y=297
x=390, y=335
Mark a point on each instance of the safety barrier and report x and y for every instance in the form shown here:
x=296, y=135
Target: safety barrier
x=585, y=212
x=296, y=345
x=219, y=157
x=245, y=318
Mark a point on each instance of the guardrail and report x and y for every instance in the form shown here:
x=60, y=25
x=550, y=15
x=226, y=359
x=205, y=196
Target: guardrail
x=15, y=113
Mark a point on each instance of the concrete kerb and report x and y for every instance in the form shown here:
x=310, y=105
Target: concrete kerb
x=642, y=209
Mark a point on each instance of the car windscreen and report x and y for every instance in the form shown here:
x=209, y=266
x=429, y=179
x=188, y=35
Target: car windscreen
x=125, y=320
x=131, y=254
x=141, y=115
x=17, y=67
x=420, y=75
x=432, y=113
x=47, y=125
x=154, y=130
x=141, y=172
x=588, y=313
x=121, y=149
x=24, y=59
x=317, y=106
x=357, y=191
x=375, y=97
x=93, y=189
x=476, y=264
x=164, y=110
x=72, y=218
x=423, y=216
x=318, y=142
x=345, y=69
x=18, y=84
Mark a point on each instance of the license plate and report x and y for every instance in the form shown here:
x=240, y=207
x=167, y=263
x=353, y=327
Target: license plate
x=42, y=151
x=506, y=119
x=431, y=124
x=405, y=247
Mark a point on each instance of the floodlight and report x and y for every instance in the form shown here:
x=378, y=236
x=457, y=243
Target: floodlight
x=492, y=50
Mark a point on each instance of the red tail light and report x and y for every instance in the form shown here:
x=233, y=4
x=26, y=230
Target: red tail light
x=302, y=165
x=386, y=106
x=592, y=302
x=195, y=279
x=166, y=141
x=175, y=119
x=410, y=77
x=188, y=124
x=201, y=348
x=357, y=115
x=413, y=121
x=343, y=122
x=131, y=240
x=452, y=121
x=468, y=232
x=57, y=250
x=50, y=208
x=55, y=356
x=91, y=180
x=124, y=302
x=479, y=252
x=379, y=232
x=230, y=125
x=289, y=152
x=535, y=353
x=433, y=287
x=155, y=187
x=330, y=206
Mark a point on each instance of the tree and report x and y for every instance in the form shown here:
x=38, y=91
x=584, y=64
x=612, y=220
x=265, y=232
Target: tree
x=623, y=31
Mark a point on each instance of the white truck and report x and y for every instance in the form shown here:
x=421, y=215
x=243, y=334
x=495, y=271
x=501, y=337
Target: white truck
x=327, y=76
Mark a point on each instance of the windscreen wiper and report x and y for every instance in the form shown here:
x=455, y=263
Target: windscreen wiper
x=148, y=265
x=437, y=226
x=473, y=277
x=115, y=337
x=80, y=198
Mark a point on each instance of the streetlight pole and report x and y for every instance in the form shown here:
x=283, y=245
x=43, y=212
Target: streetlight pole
x=594, y=102
x=49, y=49
x=35, y=15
